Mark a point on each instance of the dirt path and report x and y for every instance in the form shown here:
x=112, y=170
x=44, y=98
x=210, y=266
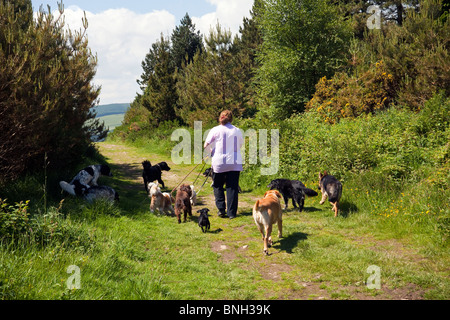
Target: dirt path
x=237, y=245
x=129, y=165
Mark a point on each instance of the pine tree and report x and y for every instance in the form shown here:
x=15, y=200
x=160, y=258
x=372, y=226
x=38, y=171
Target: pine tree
x=396, y=10
x=46, y=93
x=212, y=82
x=160, y=96
x=416, y=53
x=247, y=46
x=185, y=42
x=403, y=64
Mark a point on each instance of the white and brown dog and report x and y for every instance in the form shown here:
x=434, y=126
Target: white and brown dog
x=267, y=212
x=163, y=202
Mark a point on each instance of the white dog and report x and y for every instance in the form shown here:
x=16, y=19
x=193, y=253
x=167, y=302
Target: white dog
x=161, y=201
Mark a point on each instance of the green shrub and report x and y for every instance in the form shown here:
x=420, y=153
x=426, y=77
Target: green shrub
x=14, y=219
x=395, y=143
x=53, y=228
x=19, y=226
x=345, y=96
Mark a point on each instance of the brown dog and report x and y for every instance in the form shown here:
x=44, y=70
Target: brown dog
x=160, y=201
x=267, y=212
x=183, y=202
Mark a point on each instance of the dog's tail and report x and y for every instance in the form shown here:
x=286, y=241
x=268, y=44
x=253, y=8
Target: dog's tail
x=310, y=192
x=256, y=206
x=336, y=193
x=179, y=204
x=169, y=197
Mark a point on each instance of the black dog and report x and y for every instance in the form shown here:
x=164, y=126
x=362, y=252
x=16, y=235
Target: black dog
x=152, y=173
x=209, y=173
x=292, y=189
x=203, y=220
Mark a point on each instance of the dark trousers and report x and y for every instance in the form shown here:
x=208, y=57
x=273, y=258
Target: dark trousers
x=231, y=179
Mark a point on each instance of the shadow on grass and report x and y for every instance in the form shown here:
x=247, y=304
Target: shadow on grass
x=290, y=242
x=347, y=208
x=128, y=183
x=245, y=213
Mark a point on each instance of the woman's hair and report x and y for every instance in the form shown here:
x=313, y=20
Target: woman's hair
x=226, y=117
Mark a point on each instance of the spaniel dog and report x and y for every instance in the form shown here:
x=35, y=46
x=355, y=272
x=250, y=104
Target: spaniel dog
x=85, y=179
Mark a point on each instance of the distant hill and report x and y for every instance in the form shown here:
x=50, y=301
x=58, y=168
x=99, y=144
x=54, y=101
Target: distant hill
x=111, y=114
x=111, y=109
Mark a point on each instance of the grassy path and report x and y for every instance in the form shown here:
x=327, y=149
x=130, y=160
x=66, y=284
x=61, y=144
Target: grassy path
x=124, y=252
x=319, y=258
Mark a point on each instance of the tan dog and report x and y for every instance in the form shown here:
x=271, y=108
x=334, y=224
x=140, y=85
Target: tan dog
x=160, y=201
x=267, y=212
x=183, y=202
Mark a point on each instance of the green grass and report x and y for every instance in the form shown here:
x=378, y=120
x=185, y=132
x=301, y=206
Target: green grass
x=125, y=252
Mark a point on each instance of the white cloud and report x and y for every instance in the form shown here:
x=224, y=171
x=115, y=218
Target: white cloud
x=229, y=13
x=121, y=38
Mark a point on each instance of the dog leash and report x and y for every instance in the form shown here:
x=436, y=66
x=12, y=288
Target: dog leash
x=199, y=173
x=203, y=184
x=206, y=157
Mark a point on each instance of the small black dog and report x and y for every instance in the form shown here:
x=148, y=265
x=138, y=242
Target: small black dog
x=292, y=189
x=209, y=173
x=203, y=220
x=152, y=173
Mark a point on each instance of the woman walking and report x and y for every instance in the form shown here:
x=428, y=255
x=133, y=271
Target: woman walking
x=225, y=142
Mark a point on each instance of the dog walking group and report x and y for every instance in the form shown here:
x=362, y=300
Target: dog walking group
x=223, y=144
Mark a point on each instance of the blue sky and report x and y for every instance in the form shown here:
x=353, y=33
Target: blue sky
x=121, y=33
